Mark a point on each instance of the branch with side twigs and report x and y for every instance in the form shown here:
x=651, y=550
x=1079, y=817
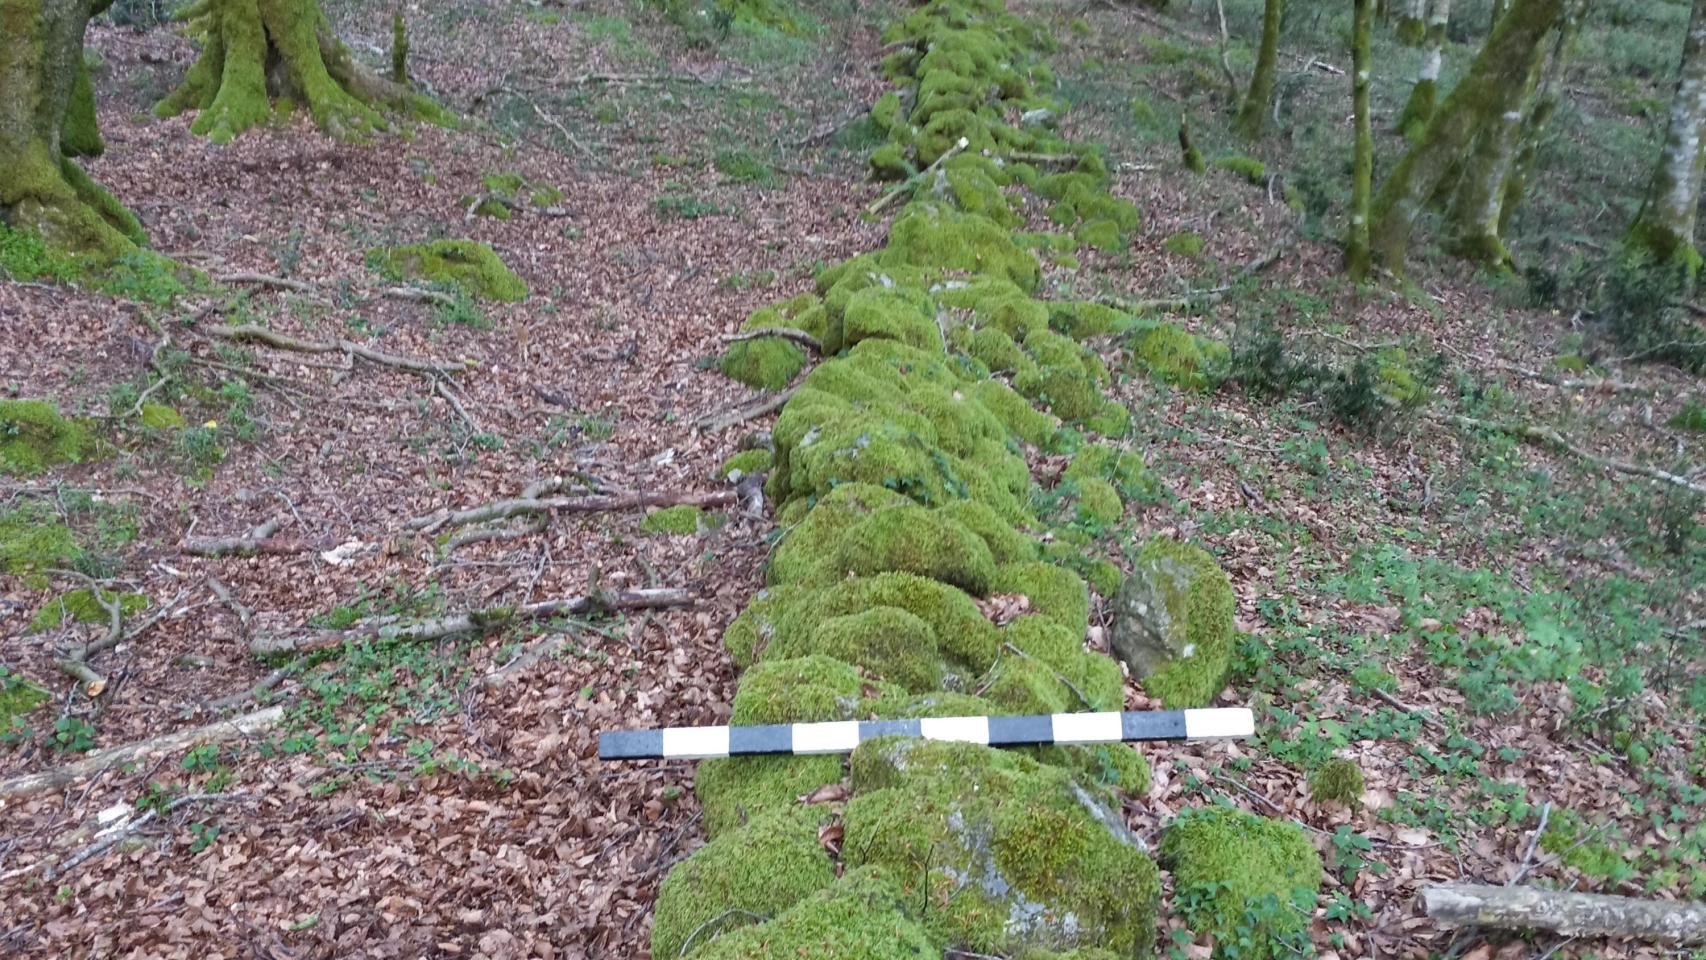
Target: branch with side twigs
x=219, y=731
x=800, y=337
x=748, y=411
x=1550, y=438
x=913, y=181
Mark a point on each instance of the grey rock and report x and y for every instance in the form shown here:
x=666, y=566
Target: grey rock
x=1149, y=622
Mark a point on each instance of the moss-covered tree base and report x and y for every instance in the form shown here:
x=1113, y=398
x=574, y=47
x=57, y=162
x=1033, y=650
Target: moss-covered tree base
x=264, y=56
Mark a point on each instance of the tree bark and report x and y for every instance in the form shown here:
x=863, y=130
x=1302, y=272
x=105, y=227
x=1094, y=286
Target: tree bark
x=1419, y=109
x=258, y=52
x=1362, y=175
x=1564, y=912
x=1540, y=112
x=1494, y=86
x=1477, y=206
x=47, y=116
x=1413, y=27
x=1253, y=118
x=1664, y=228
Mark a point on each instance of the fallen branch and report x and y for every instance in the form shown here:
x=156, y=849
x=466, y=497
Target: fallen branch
x=522, y=506
x=249, y=333
x=117, y=834
x=744, y=413
x=1549, y=437
x=391, y=630
x=916, y=178
x=258, y=540
x=220, y=731
x=1198, y=297
x=267, y=280
x=1565, y=912
x=800, y=337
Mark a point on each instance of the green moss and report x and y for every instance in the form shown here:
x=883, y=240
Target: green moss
x=1337, y=781
x=1691, y=416
x=887, y=643
x=762, y=868
x=25, y=256
x=1173, y=355
x=893, y=314
x=744, y=464
x=678, y=520
x=35, y=436
x=1112, y=420
x=737, y=790
x=1241, y=870
x=769, y=363
x=464, y=263
x=1094, y=678
x=808, y=545
x=993, y=348
x=914, y=540
x=1000, y=853
x=1195, y=604
x=1098, y=502
x=889, y=162
x=1249, y=168
x=1104, y=235
x=1069, y=392
x=1056, y=593
x=864, y=915
x=18, y=696
x=808, y=689
x=1082, y=319
x=158, y=416
x=1015, y=412
x=1130, y=476
x=930, y=235
x=1006, y=545
x=81, y=606
x=33, y=540
x=1104, y=577
x=1184, y=244
x=959, y=628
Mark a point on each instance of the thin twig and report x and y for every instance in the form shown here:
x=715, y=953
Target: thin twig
x=742, y=414
x=800, y=337
x=1534, y=841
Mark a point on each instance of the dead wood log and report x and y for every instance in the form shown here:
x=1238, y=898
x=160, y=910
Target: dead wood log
x=249, y=333
x=258, y=540
x=522, y=506
x=395, y=630
x=220, y=731
x=1565, y=912
x=800, y=337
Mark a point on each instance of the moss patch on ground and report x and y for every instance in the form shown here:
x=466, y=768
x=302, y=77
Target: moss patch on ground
x=1243, y=877
x=34, y=435
x=467, y=264
x=678, y=520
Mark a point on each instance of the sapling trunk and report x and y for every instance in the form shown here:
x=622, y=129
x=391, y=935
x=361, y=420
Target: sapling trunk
x=1253, y=118
x=1663, y=230
x=1362, y=182
x=1412, y=27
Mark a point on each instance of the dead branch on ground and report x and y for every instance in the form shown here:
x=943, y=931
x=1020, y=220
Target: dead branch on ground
x=220, y=731
x=314, y=291
x=913, y=181
x=1550, y=438
x=598, y=503
x=741, y=414
x=800, y=337
x=249, y=333
x=393, y=629
x=258, y=540
x=1197, y=297
x=1565, y=912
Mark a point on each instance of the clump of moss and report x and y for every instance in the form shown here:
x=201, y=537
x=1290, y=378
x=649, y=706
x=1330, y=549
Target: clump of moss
x=1098, y=502
x=1002, y=853
x=1173, y=355
x=34, y=436
x=81, y=606
x=888, y=643
x=744, y=464
x=759, y=870
x=1175, y=625
x=864, y=914
x=810, y=541
x=1249, y=168
x=768, y=363
x=914, y=540
x=737, y=790
x=18, y=696
x=1185, y=244
x=1692, y=416
x=958, y=628
x=33, y=540
x=931, y=235
x=1337, y=781
x=26, y=257
x=1242, y=876
x=1074, y=678
x=472, y=266
x=1016, y=413
x=678, y=520
x=1055, y=593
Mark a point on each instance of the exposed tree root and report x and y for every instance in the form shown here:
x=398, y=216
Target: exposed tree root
x=220, y=731
x=1551, y=438
x=393, y=629
x=1565, y=912
x=249, y=333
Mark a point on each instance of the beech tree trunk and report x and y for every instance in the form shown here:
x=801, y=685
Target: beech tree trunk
x=1664, y=228
x=1419, y=109
x=1362, y=176
x=1413, y=26
x=1253, y=118
x=256, y=53
x=1540, y=111
x=1477, y=206
x=1496, y=85
x=47, y=116
x=1561, y=911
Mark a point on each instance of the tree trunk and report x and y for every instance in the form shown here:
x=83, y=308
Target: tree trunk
x=43, y=88
x=1664, y=228
x=1540, y=112
x=1477, y=206
x=1362, y=176
x=1419, y=109
x=1413, y=27
x=1495, y=85
x=1253, y=119
x=255, y=52
x=1571, y=914
x=1498, y=13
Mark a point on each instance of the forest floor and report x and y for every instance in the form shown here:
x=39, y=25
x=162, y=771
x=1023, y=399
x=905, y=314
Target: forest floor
x=1457, y=611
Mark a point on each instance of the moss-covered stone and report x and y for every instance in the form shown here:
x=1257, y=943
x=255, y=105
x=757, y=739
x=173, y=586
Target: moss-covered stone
x=1006, y=545
x=887, y=643
x=864, y=914
x=1098, y=502
x=744, y=464
x=1055, y=593
x=1249, y=168
x=1174, y=623
x=810, y=545
x=912, y=539
x=1029, y=424
x=467, y=264
x=1002, y=853
x=1173, y=355
x=1245, y=872
x=1069, y=392
x=769, y=363
x=735, y=791
x=678, y=520
x=959, y=629
x=750, y=633
x=931, y=235
x=34, y=436
x=1095, y=681
x=1337, y=781
x=760, y=869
